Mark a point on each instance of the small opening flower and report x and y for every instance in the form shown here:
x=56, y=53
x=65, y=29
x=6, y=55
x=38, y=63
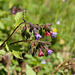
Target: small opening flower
x=49, y=51
x=40, y=53
x=53, y=34
x=37, y=36
x=47, y=33
x=13, y=11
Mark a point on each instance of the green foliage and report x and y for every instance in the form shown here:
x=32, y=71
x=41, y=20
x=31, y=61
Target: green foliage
x=29, y=70
x=7, y=47
x=18, y=18
x=2, y=52
x=59, y=56
x=2, y=13
x=17, y=54
x=38, y=11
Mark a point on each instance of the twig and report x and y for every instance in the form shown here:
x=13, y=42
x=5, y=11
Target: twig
x=66, y=66
x=59, y=66
x=22, y=26
x=62, y=64
x=16, y=29
x=36, y=67
x=29, y=40
x=19, y=41
x=11, y=34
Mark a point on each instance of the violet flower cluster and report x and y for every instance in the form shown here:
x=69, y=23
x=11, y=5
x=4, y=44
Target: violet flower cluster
x=37, y=36
x=35, y=29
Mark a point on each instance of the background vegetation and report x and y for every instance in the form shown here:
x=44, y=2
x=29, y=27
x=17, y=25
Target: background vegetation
x=39, y=12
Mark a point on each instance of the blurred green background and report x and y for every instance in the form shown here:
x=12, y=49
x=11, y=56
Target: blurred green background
x=40, y=12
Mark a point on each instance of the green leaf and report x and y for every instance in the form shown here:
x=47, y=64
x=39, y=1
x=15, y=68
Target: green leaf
x=17, y=69
x=11, y=4
x=2, y=13
x=29, y=70
x=14, y=62
x=59, y=56
x=32, y=36
x=2, y=67
x=27, y=35
x=2, y=52
x=1, y=42
x=18, y=18
x=1, y=25
x=41, y=72
x=62, y=72
x=16, y=54
x=30, y=57
x=40, y=31
x=7, y=47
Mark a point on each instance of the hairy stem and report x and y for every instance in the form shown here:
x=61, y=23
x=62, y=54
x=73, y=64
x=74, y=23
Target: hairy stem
x=19, y=41
x=11, y=34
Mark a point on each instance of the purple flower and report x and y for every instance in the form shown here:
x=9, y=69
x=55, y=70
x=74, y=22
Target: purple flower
x=53, y=34
x=49, y=51
x=37, y=36
x=13, y=11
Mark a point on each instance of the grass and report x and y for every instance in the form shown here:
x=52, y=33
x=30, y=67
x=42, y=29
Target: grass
x=44, y=11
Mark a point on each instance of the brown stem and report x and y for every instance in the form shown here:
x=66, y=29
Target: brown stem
x=48, y=24
x=58, y=66
x=66, y=66
x=11, y=34
x=15, y=30
x=28, y=40
x=36, y=67
x=61, y=64
x=19, y=41
x=20, y=28
x=45, y=47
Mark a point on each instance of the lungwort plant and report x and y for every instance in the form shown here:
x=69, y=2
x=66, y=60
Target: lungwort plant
x=32, y=34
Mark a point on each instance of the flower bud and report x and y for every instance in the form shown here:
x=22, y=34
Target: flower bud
x=47, y=33
x=40, y=53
